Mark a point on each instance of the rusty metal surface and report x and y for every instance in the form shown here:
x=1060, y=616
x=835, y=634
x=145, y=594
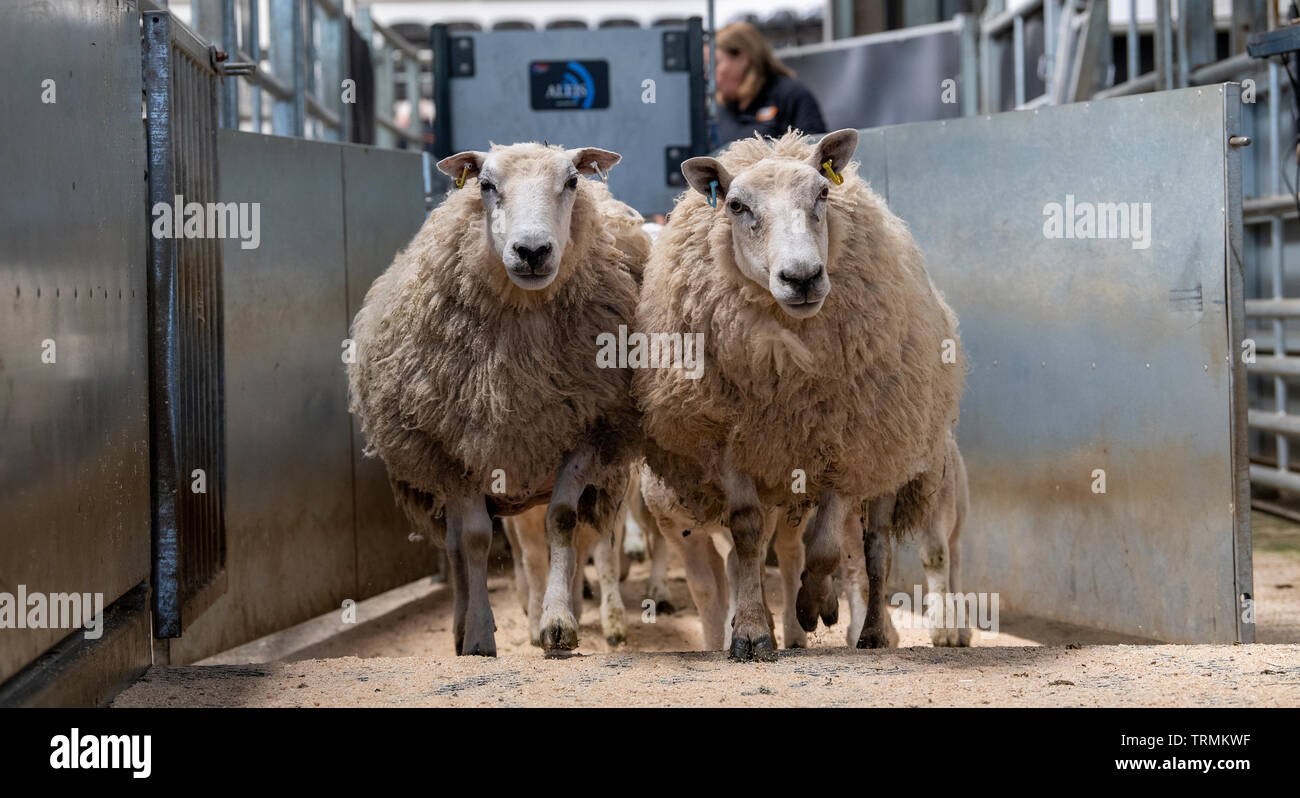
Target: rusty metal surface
x=74, y=455
x=1090, y=354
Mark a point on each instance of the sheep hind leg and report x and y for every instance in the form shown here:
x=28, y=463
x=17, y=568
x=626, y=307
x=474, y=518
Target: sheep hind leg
x=878, y=631
x=656, y=588
x=941, y=613
x=613, y=620
x=817, y=597
x=469, y=537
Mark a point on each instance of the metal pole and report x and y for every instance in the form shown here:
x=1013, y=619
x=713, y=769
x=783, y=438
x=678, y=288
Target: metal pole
x=1279, y=325
x=1049, y=42
x=255, y=52
x=711, y=92
x=1134, y=56
x=412, y=69
x=286, y=65
x=229, y=84
x=1018, y=55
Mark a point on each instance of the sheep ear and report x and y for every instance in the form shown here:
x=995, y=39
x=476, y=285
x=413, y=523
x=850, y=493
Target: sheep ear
x=837, y=148
x=587, y=159
x=454, y=165
x=700, y=172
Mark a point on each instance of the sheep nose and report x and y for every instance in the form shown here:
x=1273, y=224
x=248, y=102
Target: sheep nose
x=533, y=256
x=800, y=283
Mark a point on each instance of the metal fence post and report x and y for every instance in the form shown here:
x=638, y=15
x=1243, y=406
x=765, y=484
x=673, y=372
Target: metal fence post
x=288, y=116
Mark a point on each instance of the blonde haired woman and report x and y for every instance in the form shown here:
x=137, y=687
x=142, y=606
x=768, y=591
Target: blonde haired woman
x=756, y=92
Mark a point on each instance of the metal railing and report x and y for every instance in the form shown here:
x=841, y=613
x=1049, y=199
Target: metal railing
x=1183, y=35
x=388, y=47
x=301, y=72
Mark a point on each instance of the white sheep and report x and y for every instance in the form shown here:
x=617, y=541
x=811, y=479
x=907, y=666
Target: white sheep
x=826, y=380
x=476, y=378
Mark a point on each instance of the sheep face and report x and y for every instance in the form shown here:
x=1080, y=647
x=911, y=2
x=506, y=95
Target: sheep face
x=777, y=213
x=528, y=191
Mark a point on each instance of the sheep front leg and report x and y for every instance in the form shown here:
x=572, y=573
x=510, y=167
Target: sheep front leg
x=559, y=626
x=469, y=536
x=878, y=631
x=751, y=635
x=817, y=596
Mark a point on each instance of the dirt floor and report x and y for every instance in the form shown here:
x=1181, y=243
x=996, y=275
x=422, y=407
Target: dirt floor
x=400, y=654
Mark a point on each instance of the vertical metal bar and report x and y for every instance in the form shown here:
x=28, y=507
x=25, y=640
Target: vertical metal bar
x=342, y=63
x=162, y=340
x=1134, y=54
x=412, y=68
x=1164, y=46
x=989, y=100
x=969, y=36
x=229, y=85
x=312, y=126
x=1049, y=42
x=1018, y=55
x=255, y=52
x=286, y=61
x=1277, y=243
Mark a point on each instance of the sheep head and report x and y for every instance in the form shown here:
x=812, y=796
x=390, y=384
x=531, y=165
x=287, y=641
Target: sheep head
x=528, y=192
x=777, y=212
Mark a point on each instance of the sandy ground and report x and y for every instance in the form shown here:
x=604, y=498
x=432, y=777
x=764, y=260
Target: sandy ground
x=401, y=655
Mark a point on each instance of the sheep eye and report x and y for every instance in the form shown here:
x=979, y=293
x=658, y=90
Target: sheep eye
x=826, y=191
x=736, y=206
x=572, y=182
x=487, y=186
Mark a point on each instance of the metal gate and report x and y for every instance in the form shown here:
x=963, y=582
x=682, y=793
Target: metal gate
x=1104, y=423
x=186, y=357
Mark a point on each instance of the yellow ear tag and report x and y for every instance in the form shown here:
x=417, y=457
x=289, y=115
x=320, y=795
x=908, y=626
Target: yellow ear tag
x=835, y=178
x=460, y=181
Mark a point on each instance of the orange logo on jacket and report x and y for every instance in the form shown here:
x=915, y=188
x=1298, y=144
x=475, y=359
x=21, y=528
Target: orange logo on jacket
x=766, y=114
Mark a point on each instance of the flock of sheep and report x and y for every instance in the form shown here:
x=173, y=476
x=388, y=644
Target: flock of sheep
x=819, y=421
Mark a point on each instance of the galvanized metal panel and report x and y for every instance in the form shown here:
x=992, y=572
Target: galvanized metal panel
x=383, y=209
x=290, y=538
x=74, y=457
x=1090, y=354
x=885, y=78
x=493, y=104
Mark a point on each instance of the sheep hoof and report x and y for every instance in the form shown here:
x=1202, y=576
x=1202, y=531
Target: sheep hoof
x=664, y=607
x=636, y=555
x=560, y=634
x=616, y=639
x=805, y=608
x=831, y=614
x=945, y=637
x=760, y=649
x=878, y=638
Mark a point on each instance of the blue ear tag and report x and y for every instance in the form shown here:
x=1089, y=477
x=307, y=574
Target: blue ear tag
x=713, y=193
